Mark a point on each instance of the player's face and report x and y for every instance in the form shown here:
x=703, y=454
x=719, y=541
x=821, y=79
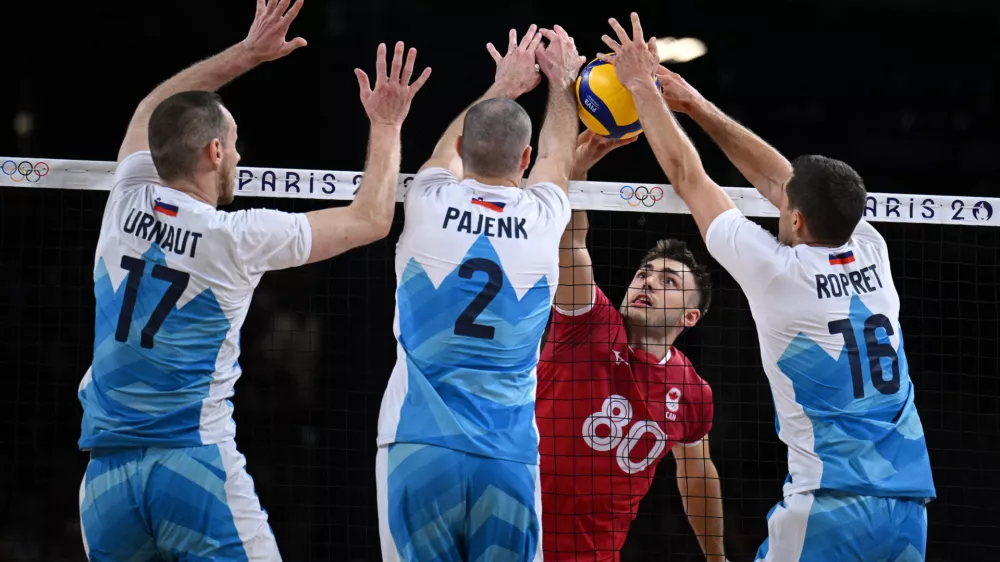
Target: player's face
x=227, y=170
x=662, y=295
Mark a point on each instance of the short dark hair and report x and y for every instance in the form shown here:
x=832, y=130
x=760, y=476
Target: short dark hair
x=830, y=195
x=678, y=251
x=180, y=127
x=494, y=135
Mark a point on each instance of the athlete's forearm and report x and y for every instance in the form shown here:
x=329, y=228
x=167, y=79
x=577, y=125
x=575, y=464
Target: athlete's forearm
x=702, y=499
x=375, y=200
x=765, y=168
x=207, y=75
x=673, y=149
x=557, y=138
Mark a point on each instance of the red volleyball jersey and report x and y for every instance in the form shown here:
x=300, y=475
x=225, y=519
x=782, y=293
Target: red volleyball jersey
x=606, y=415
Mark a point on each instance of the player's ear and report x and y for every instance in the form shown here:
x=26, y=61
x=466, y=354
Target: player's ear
x=458, y=146
x=215, y=151
x=691, y=317
x=526, y=158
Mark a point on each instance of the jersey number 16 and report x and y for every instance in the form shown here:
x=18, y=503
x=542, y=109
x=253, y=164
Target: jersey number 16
x=875, y=351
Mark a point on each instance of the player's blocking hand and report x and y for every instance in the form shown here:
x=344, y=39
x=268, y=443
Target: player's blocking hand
x=591, y=147
x=679, y=95
x=635, y=60
x=559, y=60
x=389, y=102
x=517, y=70
x=266, y=40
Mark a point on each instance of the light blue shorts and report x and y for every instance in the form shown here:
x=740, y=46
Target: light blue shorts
x=188, y=504
x=445, y=505
x=834, y=526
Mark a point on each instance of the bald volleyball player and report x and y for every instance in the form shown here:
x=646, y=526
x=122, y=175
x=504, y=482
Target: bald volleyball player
x=173, y=280
x=827, y=315
x=477, y=266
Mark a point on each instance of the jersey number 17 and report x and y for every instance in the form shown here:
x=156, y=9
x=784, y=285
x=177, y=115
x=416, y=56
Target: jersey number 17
x=178, y=282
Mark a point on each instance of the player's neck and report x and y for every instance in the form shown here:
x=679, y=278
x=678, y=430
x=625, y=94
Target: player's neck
x=654, y=342
x=492, y=181
x=206, y=194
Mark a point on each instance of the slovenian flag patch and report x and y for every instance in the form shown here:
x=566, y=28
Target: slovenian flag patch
x=842, y=259
x=161, y=207
x=491, y=205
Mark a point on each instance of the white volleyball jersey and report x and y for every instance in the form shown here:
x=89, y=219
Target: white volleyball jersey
x=832, y=349
x=477, y=268
x=173, y=279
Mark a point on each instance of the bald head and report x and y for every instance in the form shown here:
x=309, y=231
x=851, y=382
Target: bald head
x=495, y=133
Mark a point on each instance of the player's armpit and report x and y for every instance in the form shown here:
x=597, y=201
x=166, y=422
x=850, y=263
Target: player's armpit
x=576, y=272
x=752, y=255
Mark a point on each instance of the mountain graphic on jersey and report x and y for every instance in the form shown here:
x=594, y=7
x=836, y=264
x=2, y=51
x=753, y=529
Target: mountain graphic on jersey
x=149, y=397
x=471, y=349
x=873, y=445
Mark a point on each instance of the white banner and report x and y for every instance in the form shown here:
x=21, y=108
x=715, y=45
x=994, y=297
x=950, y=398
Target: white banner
x=610, y=196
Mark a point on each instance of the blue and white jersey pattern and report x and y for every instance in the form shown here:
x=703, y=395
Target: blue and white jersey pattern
x=832, y=349
x=173, y=280
x=477, y=267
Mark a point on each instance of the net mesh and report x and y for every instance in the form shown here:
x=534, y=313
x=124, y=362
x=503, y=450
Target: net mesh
x=318, y=349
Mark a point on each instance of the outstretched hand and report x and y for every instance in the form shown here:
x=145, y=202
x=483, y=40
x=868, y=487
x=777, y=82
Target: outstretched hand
x=517, y=70
x=266, y=39
x=679, y=95
x=591, y=148
x=635, y=60
x=559, y=60
x=389, y=102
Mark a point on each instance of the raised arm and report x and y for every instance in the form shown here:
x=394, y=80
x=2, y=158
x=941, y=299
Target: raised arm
x=765, y=168
x=701, y=494
x=635, y=63
x=265, y=42
x=515, y=76
x=576, y=272
x=560, y=62
x=369, y=217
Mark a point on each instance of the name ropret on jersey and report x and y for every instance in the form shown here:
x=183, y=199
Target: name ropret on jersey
x=832, y=349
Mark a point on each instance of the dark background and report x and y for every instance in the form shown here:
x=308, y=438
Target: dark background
x=905, y=91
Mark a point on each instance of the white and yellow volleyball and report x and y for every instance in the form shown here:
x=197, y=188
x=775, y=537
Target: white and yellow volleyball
x=605, y=106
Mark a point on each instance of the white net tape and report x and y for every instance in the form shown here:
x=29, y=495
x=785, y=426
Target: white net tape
x=608, y=196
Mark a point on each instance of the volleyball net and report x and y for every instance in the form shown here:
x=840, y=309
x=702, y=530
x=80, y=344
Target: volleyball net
x=317, y=350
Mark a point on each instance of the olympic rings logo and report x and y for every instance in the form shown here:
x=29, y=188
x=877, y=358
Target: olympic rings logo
x=24, y=171
x=641, y=195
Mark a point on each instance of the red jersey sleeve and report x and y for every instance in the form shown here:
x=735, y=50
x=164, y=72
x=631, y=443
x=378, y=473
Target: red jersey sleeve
x=573, y=334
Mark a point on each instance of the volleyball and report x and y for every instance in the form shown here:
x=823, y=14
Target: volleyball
x=604, y=105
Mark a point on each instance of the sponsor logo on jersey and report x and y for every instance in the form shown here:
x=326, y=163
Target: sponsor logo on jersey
x=842, y=259
x=166, y=209
x=491, y=205
x=674, y=399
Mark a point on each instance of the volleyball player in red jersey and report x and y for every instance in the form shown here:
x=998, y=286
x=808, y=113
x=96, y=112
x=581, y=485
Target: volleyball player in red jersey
x=614, y=396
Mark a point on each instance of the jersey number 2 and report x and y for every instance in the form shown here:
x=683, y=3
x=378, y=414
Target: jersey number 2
x=178, y=282
x=466, y=323
x=876, y=351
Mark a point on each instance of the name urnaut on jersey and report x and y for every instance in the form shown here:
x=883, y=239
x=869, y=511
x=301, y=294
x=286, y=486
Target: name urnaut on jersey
x=834, y=285
x=503, y=227
x=145, y=226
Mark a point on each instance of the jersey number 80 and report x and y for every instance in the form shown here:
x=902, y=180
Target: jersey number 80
x=615, y=415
